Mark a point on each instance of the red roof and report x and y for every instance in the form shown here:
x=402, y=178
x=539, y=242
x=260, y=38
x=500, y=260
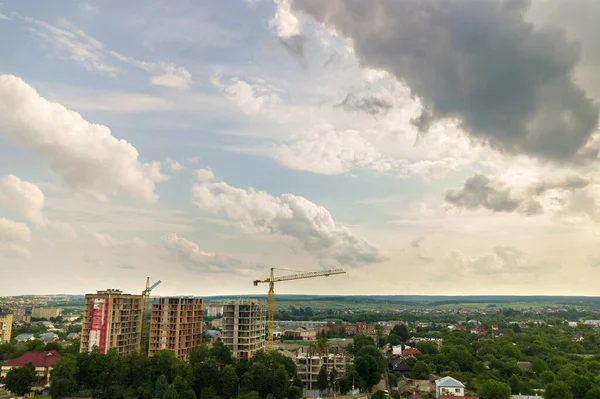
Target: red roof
x=38, y=359
x=410, y=352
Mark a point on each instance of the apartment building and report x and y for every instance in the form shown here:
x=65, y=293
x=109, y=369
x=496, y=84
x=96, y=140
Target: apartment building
x=214, y=309
x=18, y=313
x=45, y=313
x=309, y=365
x=292, y=324
x=175, y=325
x=244, y=324
x=112, y=320
x=6, y=320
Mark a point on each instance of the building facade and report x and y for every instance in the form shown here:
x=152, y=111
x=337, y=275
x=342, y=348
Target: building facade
x=214, y=309
x=6, y=321
x=42, y=361
x=244, y=325
x=112, y=320
x=45, y=313
x=308, y=367
x=18, y=313
x=176, y=325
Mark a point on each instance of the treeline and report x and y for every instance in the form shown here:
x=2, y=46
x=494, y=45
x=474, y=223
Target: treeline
x=210, y=373
x=563, y=361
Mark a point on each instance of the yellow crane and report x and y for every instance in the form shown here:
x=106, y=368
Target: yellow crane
x=271, y=280
x=146, y=314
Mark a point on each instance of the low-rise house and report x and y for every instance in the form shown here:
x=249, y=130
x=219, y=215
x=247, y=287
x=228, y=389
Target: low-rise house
x=449, y=387
x=499, y=333
x=42, y=361
x=49, y=337
x=214, y=335
x=72, y=336
x=478, y=331
x=403, y=365
x=410, y=352
x=301, y=333
x=217, y=323
x=24, y=337
x=525, y=366
x=495, y=327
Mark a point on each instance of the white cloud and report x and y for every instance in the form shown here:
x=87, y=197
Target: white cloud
x=17, y=251
x=70, y=42
x=288, y=215
x=87, y=156
x=203, y=175
x=284, y=21
x=25, y=197
x=193, y=257
x=251, y=98
x=4, y=17
x=174, y=166
x=11, y=231
x=108, y=241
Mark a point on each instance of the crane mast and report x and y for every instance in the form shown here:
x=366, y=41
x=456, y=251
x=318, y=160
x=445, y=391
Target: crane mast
x=271, y=297
x=146, y=314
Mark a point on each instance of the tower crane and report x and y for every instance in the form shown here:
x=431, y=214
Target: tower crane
x=271, y=298
x=146, y=314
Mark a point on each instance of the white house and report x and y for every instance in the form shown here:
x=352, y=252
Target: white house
x=448, y=386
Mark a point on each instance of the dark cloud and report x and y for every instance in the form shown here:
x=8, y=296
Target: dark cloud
x=295, y=46
x=509, y=83
x=425, y=259
x=480, y=191
x=370, y=105
x=416, y=243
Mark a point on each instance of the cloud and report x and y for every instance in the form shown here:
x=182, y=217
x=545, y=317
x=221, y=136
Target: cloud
x=191, y=256
x=174, y=166
x=13, y=250
x=481, y=191
x=327, y=151
x=108, y=241
x=509, y=84
x=124, y=266
x=287, y=215
x=11, y=231
x=88, y=158
x=416, y=243
x=289, y=30
x=503, y=260
x=4, y=17
x=203, y=175
x=70, y=42
x=25, y=197
x=372, y=105
x=251, y=98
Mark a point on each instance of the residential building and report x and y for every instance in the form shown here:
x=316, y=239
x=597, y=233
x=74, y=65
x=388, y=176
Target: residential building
x=6, y=321
x=448, y=386
x=301, y=333
x=292, y=324
x=45, y=313
x=49, y=337
x=214, y=310
x=24, y=337
x=176, y=325
x=42, y=361
x=214, y=335
x=112, y=320
x=308, y=367
x=72, y=336
x=410, y=352
x=244, y=324
x=18, y=313
x=217, y=323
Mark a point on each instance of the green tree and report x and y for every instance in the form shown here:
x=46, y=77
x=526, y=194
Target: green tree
x=557, y=390
x=35, y=345
x=19, y=380
x=379, y=395
x=171, y=393
x=547, y=377
x=228, y=382
x=593, y=393
x=492, y=389
x=421, y=370
x=63, y=382
x=322, y=379
x=401, y=331
x=514, y=382
x=161, y=386
x=333, y=377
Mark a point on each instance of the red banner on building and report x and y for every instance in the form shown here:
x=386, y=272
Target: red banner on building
x=98, y=325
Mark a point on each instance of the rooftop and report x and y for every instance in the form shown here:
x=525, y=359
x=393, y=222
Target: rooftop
x=449, y=382
x=38, y=359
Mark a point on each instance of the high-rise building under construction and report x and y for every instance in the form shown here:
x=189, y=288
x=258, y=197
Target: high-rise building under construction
x=175, y=325
x=244, y=323
x=112, y=320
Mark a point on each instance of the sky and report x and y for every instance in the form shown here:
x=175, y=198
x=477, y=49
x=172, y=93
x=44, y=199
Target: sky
x=443, y=147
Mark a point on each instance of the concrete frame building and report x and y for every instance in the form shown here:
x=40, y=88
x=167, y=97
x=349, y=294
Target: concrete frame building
x=6, y=321
x=176, y=325
x=18, y=313
x=45, y=313
x=244, y=325
x=308, y=367
x=112, y=320
x=214, y=309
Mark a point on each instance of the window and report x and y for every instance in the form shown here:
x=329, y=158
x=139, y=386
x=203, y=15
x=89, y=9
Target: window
x=457, y=390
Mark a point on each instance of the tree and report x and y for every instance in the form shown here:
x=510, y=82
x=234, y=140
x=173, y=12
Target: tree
x=492, y=389
x=333, y=378
x=401, y=331
x=547, y=377
x=421, y=370
x=557, y=390
x=228, y=382
x=161, y=386
x=322, y=380
x=171, y=393
x=63, y=382
x=19, y=380
x=35, y=345
x=379, y=395
x=593, y=393
x=514, y=382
